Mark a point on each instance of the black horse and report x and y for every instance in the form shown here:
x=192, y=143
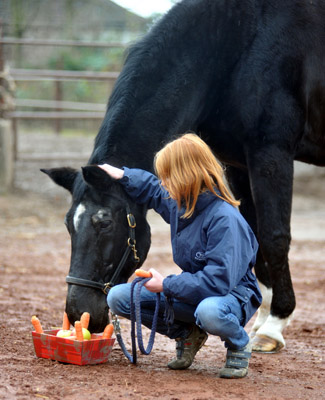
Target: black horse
x=249, y=77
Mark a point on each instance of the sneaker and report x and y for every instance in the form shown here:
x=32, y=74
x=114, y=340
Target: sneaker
x=186, y=349
x=237, y=362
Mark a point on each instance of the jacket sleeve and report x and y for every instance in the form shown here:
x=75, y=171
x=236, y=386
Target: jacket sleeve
x=145, y=188
x=229, y=253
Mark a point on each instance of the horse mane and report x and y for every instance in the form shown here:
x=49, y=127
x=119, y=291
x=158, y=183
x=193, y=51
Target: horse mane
x=159, y=48
x=147, y=62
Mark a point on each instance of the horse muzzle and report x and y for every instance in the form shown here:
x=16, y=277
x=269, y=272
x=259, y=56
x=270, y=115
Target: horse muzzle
x=85, y=299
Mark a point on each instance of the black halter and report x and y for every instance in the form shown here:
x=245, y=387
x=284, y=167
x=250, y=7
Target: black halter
x=131, y=242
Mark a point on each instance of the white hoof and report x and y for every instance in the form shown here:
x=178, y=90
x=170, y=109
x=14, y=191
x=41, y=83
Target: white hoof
x=267, y=345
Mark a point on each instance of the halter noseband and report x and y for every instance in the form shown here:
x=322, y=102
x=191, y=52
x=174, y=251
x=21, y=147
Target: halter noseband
x=131, y=242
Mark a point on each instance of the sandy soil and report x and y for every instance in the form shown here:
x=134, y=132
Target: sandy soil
x=34, y=260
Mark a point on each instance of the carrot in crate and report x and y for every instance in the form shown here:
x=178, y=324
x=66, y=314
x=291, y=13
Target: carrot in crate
x=85, y=320
x=108, y=331
x=66, y=322
x=37, y=324
x=78, y=328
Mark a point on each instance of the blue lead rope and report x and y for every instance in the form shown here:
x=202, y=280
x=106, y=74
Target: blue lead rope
x=151, y=341
x=135, y=316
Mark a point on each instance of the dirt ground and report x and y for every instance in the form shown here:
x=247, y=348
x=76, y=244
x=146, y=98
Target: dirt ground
x=34, y=260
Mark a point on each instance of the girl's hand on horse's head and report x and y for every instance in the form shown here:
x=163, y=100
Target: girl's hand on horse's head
x=115, y=173
x=155, y=284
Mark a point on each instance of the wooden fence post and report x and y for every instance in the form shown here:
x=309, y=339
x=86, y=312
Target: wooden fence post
x=58, y=98
x=6, y=138
x=58, y=94
x=6, y=156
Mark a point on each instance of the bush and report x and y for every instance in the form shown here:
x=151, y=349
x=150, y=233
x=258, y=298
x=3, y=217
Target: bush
x=88, y=59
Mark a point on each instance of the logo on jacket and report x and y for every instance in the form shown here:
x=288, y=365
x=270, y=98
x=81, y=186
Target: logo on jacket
x=199, y=256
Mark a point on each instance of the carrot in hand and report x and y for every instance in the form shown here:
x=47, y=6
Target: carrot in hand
x=78, y=328
x=108, y=331
x=85, y=320
x=66, y=322
x=142, y=273
x=37, y=324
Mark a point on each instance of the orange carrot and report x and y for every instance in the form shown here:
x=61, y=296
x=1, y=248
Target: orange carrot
x=37, y=324
x=66, y=322
x=143, y=274
x=108, y=331
x=78, y=329
x=85, y=320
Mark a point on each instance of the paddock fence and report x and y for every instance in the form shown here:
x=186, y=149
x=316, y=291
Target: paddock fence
x=56, y=109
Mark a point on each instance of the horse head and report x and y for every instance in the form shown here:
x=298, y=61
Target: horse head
x=110, y=238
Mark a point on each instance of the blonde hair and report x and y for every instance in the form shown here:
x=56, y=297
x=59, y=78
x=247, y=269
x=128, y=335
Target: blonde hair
x=187, y=167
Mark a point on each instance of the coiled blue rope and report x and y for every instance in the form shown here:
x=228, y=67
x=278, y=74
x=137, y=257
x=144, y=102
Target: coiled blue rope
x=135, y=316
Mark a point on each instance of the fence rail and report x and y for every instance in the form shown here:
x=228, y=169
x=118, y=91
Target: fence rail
x=61, y=105
x=54, y=115
x=40, y=157
x=61, y=75
x=86, y=111
x=69, y=43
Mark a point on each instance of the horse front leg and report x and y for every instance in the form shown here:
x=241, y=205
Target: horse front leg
x=271, y=180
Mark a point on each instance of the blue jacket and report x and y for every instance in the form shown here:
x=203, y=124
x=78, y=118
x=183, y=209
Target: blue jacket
x=215, y=247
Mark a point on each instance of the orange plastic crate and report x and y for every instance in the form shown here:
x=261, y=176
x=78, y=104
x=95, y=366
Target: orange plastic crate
x=94, y=351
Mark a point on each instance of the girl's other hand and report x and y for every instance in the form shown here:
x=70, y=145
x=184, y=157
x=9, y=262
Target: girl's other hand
x=155, y=284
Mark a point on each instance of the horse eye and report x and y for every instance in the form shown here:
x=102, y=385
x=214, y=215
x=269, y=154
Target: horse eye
x=101, y=223
x=105, y=224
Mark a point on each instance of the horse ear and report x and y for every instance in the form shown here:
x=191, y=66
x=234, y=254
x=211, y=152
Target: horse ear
x=64, y=177
x=96, y=177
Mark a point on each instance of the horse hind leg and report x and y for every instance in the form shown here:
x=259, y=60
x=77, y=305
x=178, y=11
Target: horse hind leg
x=263, y=312
x=239, y=184
x=266, y=289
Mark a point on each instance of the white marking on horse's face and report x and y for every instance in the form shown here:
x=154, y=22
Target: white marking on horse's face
x=77, y=215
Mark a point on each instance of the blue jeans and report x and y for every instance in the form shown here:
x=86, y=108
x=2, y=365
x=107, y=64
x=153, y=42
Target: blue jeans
x=219, y=315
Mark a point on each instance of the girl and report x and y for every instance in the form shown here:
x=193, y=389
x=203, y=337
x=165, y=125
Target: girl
x=216, y=293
